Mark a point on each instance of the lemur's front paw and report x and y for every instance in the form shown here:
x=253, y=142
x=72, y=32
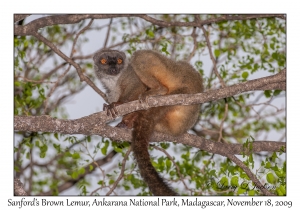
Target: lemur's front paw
x=143, y=99
x=111, y=109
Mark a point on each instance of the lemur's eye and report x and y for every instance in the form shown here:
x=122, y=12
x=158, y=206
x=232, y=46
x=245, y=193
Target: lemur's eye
x=120, y=60
x=103, y=61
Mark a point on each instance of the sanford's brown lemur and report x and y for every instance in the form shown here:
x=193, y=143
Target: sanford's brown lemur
x=148, y=74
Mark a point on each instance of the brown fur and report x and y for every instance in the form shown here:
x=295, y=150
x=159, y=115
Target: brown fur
x=148, y=74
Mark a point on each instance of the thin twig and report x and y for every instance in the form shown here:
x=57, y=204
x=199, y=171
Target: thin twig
x=53, y=88
x=194, y=36
x=220, y=79
x=212, y=57
x=70, y=61
x=259, y=185
x=222, y=122
x=177, y=167
x=78, y=34
x=108, y=32
x=122, y=172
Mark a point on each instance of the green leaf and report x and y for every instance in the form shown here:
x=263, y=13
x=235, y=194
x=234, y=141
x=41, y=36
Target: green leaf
x=241, y=190
x=57, y=147
x=279, y=192
x=168, y=164
x=104, y=149
x=251, y=158
x=255, y=67
x=245, y=74
x=76, y=155
x=81, y=171
x=282, y=189
x=251, y=192
x=279, y=173
x=44, y=148
x=224, y=181
x=267, y=93
x=150, y=33
x=217, y=52
x=268, y=165
x=213, y=173
x=165, y=145
x=117, y=149
x=37, y=143
x=276, y=92
x=74, y=175
x=88, y=139
x=274, y=156
x=172, y=173
x=234, y=181
x=270, y=178
x=275, y=55
x=89, y=65
x=16, y=168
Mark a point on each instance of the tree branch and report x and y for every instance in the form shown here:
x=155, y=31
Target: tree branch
x=212, y=58
x=250, y=174
x=19, y=188
x=178, y=99
x=19, y=17
x=71, y=19
x=95, y=124
x=70, y=61
x=121, y=173
x=88, y=126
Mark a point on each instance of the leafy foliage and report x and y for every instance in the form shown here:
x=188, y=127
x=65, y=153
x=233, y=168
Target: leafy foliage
x=243, y=49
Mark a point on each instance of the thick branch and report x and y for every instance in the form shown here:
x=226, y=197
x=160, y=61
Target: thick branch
x=274, y=82
x=84, y=125
x=71, y=19
x=95, y=124
x=20, y=17
x=87, y=126
x=19, y=188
